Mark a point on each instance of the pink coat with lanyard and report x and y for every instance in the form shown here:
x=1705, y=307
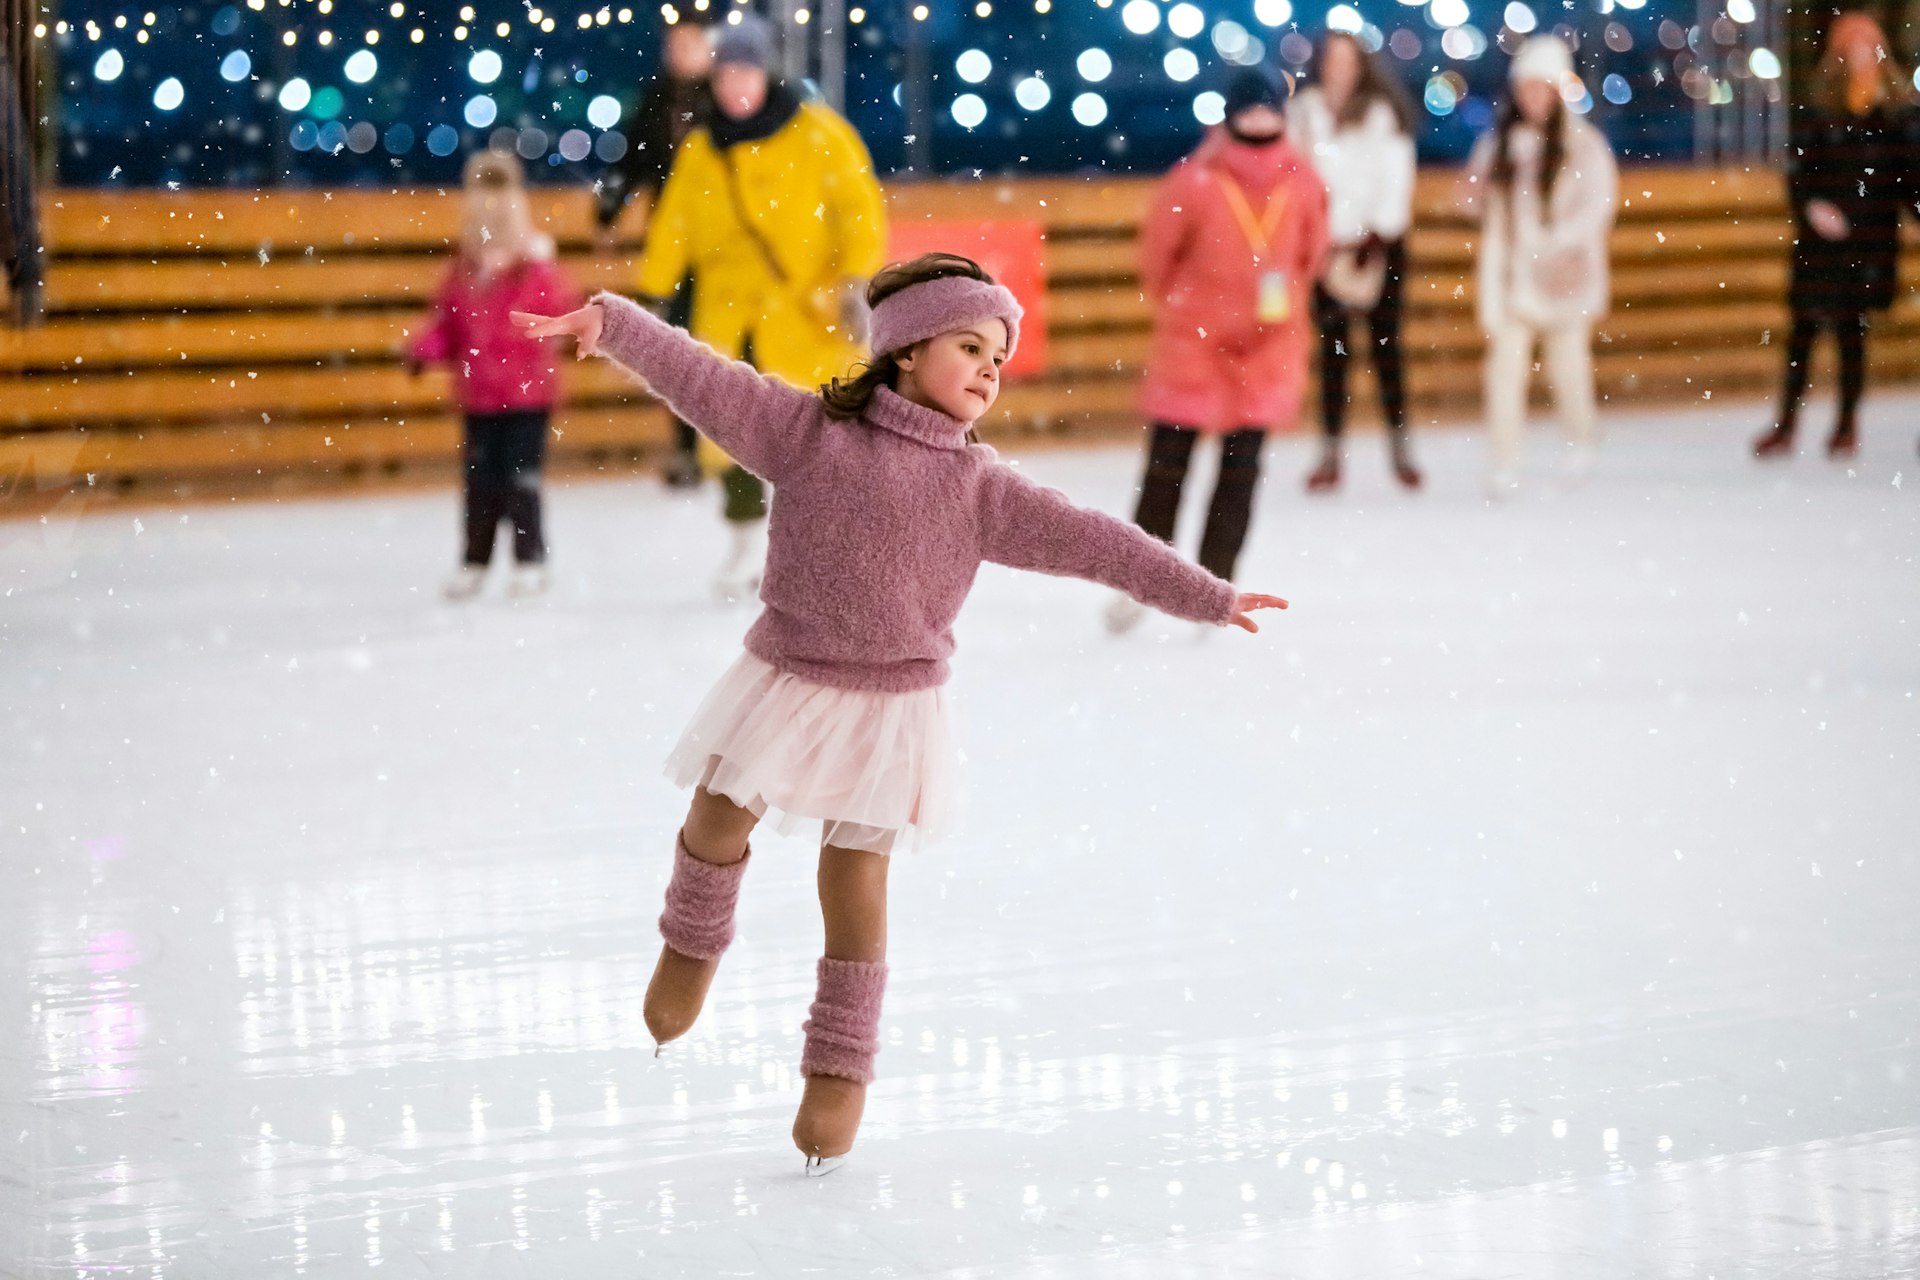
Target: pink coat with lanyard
x=496, y=368
x=1229, y=251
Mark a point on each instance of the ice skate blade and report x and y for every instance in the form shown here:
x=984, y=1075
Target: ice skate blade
x=821, y=1166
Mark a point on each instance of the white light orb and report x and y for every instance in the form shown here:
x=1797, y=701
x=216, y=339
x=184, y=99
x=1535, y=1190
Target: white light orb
x=361, y=66
x=295, y=94
x=1094, y=65
x=1032, y=93
x=1209, y=108
x=108, y=66
x=484, y=67
x=973, y=66
x=969, y=109
x=1140, y=16
x=1181, y=65
x=1089, y=109
x=604, y=111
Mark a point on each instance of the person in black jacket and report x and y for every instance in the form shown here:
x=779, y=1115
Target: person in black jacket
x=1851, y=166
x=675, y=102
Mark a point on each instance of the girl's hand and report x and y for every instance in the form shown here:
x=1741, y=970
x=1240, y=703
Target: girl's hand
x=1247, y=602
x=1828, y=219
x=583, y=326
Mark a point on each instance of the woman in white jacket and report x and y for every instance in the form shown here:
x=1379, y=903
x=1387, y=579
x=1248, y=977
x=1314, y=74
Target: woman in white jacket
x=1355, y=124
x=1543, y=183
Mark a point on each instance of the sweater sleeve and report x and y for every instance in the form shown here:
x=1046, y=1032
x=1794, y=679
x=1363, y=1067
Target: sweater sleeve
x=1397, y=169
x=437, y=340
x=1592, y=186
x=1165, y=230
x=1026, y=526
x=764, y=424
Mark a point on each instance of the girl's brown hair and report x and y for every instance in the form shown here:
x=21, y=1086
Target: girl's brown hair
x=1833, y=77
x=1553, y=151
x=850, y=399
x=1376, y=84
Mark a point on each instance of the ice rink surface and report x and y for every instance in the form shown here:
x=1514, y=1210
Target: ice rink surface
x=1536, y=899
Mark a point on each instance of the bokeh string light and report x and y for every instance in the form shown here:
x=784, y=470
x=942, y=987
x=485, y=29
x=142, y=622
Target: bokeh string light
x=342, y=91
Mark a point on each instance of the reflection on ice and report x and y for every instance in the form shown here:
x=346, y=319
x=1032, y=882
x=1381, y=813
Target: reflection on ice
x=1367, y=949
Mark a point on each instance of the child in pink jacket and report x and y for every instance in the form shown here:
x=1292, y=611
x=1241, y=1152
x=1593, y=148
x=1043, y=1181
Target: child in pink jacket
x=884, y=509
x=505, y=382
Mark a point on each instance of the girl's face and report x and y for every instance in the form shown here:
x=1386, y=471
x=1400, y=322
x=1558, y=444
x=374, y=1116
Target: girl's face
x=1339, y=69
x=958, y=372
x=1537, y=100
x=1259, y=121
x=740, y=89
x=689, y=51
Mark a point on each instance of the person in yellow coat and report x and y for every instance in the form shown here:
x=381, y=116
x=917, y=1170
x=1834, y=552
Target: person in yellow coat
x=774, y=207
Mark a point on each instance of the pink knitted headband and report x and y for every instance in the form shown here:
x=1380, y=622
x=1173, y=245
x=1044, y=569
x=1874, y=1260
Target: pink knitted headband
x=933, y=307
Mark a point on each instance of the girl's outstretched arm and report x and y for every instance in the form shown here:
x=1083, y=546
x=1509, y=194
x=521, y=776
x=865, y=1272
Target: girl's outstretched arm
x=760, y=421
x=1026, y=526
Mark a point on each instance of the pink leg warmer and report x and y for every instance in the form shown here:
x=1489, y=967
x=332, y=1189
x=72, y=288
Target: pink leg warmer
x=698, y=921
x=843, y=1034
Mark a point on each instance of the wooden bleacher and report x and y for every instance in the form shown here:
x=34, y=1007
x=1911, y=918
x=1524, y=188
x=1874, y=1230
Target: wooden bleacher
x=242, y=339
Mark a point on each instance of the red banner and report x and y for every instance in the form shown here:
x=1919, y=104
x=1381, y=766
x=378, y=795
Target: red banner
x=1013, y=251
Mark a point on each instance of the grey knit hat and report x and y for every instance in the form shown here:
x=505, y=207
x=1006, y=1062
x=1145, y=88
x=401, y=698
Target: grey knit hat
x=748, y=42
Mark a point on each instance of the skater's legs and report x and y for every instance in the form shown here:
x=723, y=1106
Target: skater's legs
x=485, y=484
x=843, y=1028
x=524, y=446
x=717, y=829
x=1332, y=321
x=1799, y=361
x=1169, y=452
x=853, y=903
x=1509, y=361
x=1383, y=333
x=1232, y=507
x=697, y=924
x=1569, y=358
x=1850, y=334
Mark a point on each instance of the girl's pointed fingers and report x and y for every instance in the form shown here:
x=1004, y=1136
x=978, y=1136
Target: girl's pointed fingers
x=1245, y=623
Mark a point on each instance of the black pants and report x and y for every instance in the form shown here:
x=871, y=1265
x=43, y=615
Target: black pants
x=1168, y=455
x=503, y=453
x=746, y=492
x=1850, y=333
x=1383, y=331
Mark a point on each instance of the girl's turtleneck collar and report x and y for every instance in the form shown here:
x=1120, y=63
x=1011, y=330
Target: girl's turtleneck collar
x=894, y=412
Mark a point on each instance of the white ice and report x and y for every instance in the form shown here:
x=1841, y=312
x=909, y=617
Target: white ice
x=1536, y=898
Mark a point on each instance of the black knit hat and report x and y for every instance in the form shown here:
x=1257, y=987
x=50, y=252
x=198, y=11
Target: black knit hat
x=1255, y=87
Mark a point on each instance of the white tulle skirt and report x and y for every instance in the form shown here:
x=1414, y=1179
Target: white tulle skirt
x=870, y=767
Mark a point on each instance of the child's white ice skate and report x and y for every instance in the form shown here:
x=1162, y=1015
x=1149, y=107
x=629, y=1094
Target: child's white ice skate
x=528, y=580
x=746, y=561
x=821, y=1166
x=1124, y=614
x=465, y=582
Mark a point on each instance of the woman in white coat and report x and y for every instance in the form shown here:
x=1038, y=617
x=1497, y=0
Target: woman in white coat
x=1543, y=183
x=1354, y=122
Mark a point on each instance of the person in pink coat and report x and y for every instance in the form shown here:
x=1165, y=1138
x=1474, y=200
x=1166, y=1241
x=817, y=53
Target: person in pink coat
x=1229, y=251
x=505, y=382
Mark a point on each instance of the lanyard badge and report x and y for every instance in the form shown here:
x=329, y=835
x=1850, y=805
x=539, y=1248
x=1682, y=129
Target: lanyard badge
x=1273, y=295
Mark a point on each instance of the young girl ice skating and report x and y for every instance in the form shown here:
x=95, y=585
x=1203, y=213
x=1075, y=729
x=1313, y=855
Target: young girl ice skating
x=883, y=511
x=505, y=382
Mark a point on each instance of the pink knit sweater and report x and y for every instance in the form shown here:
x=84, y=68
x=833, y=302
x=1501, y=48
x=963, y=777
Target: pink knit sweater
x=879, y=525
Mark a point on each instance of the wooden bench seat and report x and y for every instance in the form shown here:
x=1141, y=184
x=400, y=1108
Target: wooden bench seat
x=257, y=334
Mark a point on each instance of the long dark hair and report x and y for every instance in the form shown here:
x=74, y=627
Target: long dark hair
x=1377, y=84
x=1553, y=151
x=850, y=399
